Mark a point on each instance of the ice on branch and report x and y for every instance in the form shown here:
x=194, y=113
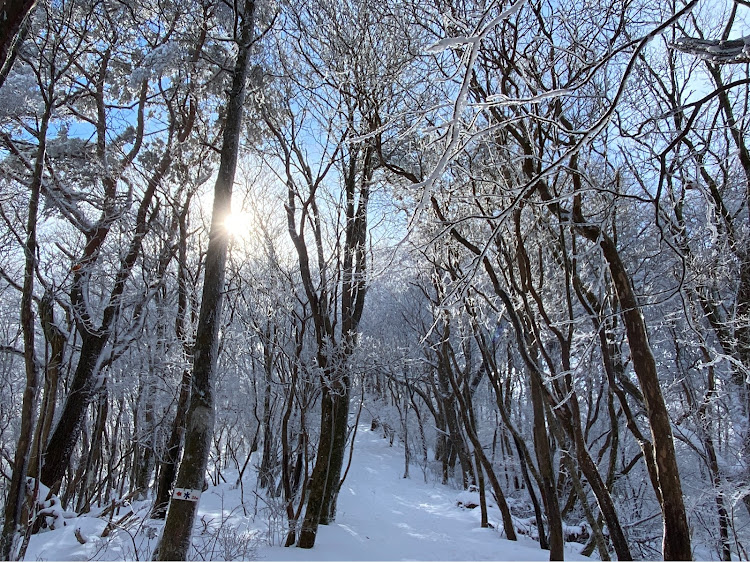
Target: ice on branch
x=448, y=43
x=503, y=100
x=731, y=51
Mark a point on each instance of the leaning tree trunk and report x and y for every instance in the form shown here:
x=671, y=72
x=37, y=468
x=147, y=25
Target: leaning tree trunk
x=85, y=382
x=570, y=416
x=676, y=544
x=465, y=409
x=65, y=435
x=178, y=527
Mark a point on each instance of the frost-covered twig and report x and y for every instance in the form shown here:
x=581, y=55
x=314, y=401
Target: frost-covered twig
x=454, y=124
x=731, y=51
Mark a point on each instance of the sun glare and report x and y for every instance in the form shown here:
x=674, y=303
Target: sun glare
x=238, y=224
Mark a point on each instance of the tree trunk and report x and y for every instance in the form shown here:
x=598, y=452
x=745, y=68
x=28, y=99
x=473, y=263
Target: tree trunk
x=14, y=16
x=524, y=456
x=85, y=382
x=546, y=472
x=676, y=544
x=597, y=537
x=319, y=478
x=449, y=400
x=17, y=490
x=603, y=497
x=338, y=453
x=268, y=458
x=465, y=409
x=353, y=290
x=68, y=429
x=532, y=495
x=326, y=480
x=176, y=538
x=55, y=339
x=703, y=424
x=145, y=439
x=92, y=461
x=484, y=523
x=168, y=469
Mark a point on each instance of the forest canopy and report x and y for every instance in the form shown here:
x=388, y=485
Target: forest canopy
x=511, y=235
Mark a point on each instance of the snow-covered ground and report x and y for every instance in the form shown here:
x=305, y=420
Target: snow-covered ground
x=381, y=516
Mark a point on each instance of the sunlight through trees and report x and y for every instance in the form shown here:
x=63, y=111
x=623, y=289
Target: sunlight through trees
x=510, y=237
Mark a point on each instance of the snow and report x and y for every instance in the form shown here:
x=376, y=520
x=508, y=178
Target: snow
x=447, y=43
x=502, y=99
x=454, y=127
x=381, y=516
x=50, y=507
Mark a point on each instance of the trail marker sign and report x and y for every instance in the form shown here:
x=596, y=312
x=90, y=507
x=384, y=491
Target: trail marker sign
x=186, y=494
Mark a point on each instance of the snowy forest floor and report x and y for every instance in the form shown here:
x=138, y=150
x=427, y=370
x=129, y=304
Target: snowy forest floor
x=381, y=516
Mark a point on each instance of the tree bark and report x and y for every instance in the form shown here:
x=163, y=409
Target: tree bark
x=319, y=477
x=597, y=537
x=268, y=458
x=338, y=453
x=546, y=471
x=144, y=459
x=168, y=469
x=176, y=538
x=86, y=380
x=56, y=341
x=17, y=490
x=14, y=16
x=676, y=543
x=464, y=408
x=68, y=429
x=325, y=481
x=92, y=460
x=456, y=441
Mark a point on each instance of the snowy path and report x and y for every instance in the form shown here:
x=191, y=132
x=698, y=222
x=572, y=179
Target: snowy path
x=383, y=516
